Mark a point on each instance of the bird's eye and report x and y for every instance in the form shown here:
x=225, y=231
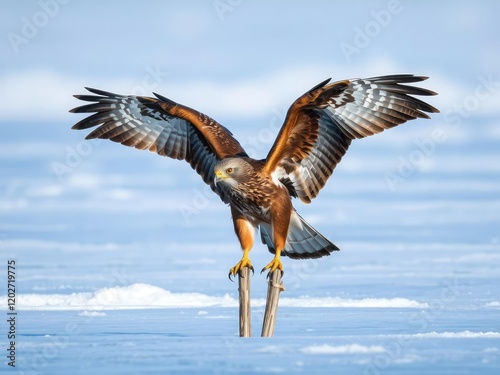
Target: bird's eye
x=229, y=170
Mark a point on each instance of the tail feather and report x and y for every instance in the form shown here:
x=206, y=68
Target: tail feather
x=303, y=240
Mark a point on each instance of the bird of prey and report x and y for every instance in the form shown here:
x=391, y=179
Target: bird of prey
x=317, y=131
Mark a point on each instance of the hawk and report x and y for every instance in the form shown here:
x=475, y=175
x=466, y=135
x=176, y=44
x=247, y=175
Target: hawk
x=317, y=131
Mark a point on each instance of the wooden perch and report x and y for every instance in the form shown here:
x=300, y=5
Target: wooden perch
x=244, y=292
x=273, y=294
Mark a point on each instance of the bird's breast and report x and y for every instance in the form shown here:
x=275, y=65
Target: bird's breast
x=251, y=203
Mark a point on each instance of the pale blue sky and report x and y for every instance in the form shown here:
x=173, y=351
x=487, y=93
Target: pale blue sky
x=244, y=64
x=240, y=60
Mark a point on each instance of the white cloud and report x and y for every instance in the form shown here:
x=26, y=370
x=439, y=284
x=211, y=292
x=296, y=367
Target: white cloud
x=493, y=130
x=27, y=149
x=36, y=95
x=50, y=190
x=48, y=94
x=84, y=181
x=121, y=194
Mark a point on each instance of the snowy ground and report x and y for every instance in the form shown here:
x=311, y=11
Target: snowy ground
x=308, y=340
x=121, y=330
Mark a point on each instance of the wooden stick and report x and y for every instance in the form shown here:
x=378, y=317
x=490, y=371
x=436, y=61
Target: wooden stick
x=244, y=291
x=273, y=294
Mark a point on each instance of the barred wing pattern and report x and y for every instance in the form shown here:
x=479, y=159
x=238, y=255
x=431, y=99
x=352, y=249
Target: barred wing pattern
x=321, y=124
x=161, y=126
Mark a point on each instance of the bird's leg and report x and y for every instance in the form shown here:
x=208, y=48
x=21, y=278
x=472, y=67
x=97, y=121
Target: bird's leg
x=245, y=231
x=244, y=262
x=280, y=221
x=275, y=264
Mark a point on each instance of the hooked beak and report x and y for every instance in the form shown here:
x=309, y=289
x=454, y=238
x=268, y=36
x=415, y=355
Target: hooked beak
x=218, y=177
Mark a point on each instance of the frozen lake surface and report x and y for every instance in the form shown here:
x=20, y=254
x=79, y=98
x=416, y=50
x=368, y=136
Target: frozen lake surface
x=392, y=309
x=307, y=340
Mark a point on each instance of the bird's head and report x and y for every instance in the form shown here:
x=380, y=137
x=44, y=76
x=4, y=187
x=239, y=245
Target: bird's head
x=232, y=171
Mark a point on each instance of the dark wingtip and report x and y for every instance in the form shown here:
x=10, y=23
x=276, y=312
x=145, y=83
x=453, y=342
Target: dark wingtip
x=90, y=98
x=163, y=98
x=321, y=84
x=101, y=92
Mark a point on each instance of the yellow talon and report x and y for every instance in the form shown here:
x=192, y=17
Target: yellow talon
x=244, y=262
x=274, y=265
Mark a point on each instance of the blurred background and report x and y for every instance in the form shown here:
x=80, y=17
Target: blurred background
x=408, y=207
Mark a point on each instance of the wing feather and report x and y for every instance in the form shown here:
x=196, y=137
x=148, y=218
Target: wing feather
x=321, y=124
x=161, y=126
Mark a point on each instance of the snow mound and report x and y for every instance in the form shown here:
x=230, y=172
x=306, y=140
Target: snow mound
x=340, y=302
x=342, y=349
x=458, y=335
x=135, y=296
x=144, y=296
x=92, y=313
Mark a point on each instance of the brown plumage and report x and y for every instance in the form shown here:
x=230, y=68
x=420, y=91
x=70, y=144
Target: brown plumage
x=318, y=129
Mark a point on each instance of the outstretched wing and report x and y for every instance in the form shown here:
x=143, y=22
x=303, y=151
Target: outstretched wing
x=321, y=124
x=162, y=126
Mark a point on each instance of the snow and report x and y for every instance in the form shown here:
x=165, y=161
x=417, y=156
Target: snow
x=342, y=349
x=145, y=296
x=362, y=303
x=459, y=335
x=310, y=340
x=92, y=313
